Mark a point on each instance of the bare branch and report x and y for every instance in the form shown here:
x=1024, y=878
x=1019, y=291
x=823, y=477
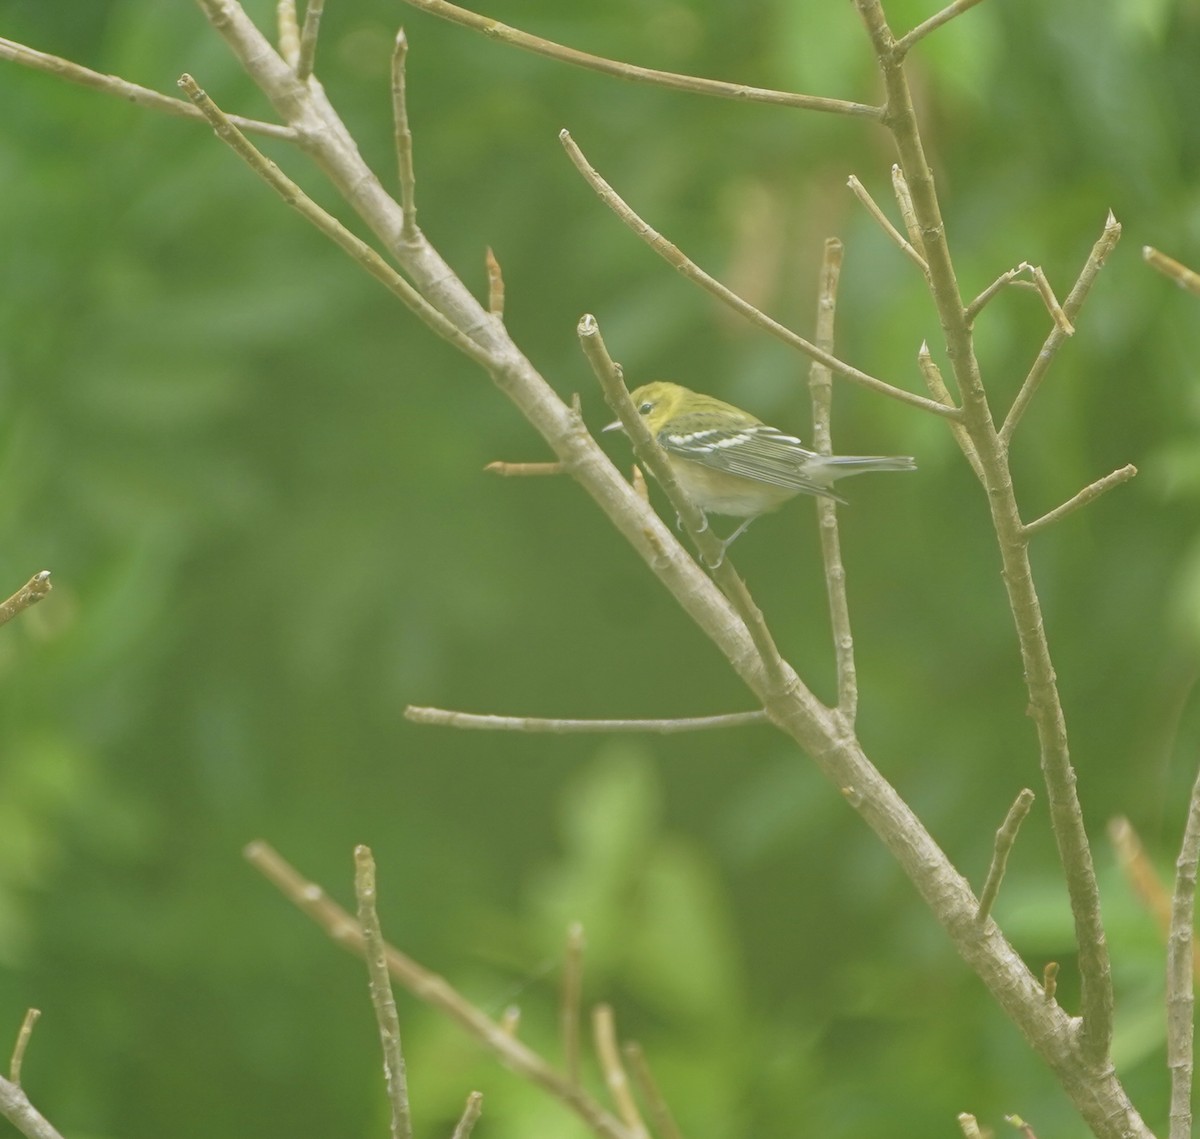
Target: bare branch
x=905, y=42
x=605, y=1033
x=495, y=284
x=1006, y=836
x=469, y=1116
x=289, y=31
x=123, y=89
x=969, y=1126
x=16, y=1108
x=308, y=39
x=29, y=594
x=675, y=257
x=904, y=201
x=358, y=249
x=660, y=1112
x=23, y=1037
x=1010, y=277
x=1051, y=301
x=443, y=717
x=572, y=995
x=1071, y=306
x=341, y=928
x=1181, y=1025
x=861, y=193
x=1176, y=271
x=525, y=470
x=694, y=85
x=937, y=385
x=1089, y=493
x=382, y=999
x=404, y=139
x=820, y=384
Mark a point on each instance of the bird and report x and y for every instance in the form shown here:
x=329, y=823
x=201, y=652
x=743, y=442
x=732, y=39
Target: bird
x=729, y=462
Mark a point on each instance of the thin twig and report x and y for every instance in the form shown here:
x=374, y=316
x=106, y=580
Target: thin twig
x=572, y=995
x=904, y=201
x=1176, y=271
x=123, y=89
x=406, y=175
x=358, y=249
x=969, y=1125
x=341, y=928
x=1180, y=980
x=694, y=85
x=382, y=1000
x=29, y=594
x=905, y=42
x=308, y=39
x=609, y=1054
x=1006, y=836
x=495, y=277
x=525, y=470
x=18, y=1053
x=675, y=257
x=664, y=1121
x=1104, y=246
x=1088, y=494
x=445, y=718
x=863, y=195
x=510, y=1020
x=1010, y=277
x=289, y=31
x=469, y=1116
x=934, y=382
x=1042, y=282
x=1024, y=1128
x=820, y=384
x=1050, y=980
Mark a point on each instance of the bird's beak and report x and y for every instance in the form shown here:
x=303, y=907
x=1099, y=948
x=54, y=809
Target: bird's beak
x=614, y=426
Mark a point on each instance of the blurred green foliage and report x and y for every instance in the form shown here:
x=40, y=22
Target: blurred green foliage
x=258, y=483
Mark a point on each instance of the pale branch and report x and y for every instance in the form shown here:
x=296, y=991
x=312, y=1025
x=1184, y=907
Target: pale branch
x=676, y=258
x=1104, y=245
x=289, y=31
x=1109, y=1113
x=405, y=172
x=572, y=998
x=694, y=521
x=358, y=249
x=1042, y=282
x=664, y=1121
x=1006, y=837
x=524, y=470
x=308, y=39
x=904, y=201
x=23, y=1038
x=1009, y=277
x=937, y=386
x=1088, y=494
x=906, y=41
x=445, y=718
x=1174, y=270
x=469, y=1117
x=16, y=1108
x=382, y=999
x=691, y=84
x=872, y=207
x=604, y=1031
x=1180, y=980
x=1141, y=874
x=820, y=384
x=495, y=279
x=123, y=89
x=29, y=594
x=342, y=929
x=969, y=1126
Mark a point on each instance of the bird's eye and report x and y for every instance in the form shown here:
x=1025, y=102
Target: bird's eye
x=645, y=408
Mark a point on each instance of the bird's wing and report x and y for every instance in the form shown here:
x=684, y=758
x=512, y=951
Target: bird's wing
x=753, y=451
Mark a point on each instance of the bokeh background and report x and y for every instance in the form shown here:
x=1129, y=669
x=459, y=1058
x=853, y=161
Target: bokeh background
x=258, y=483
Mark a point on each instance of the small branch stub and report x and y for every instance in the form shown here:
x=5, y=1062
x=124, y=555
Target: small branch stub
x=29, y=594
x=1006, y=836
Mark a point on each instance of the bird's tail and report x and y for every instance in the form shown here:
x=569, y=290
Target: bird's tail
x=842, y=466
